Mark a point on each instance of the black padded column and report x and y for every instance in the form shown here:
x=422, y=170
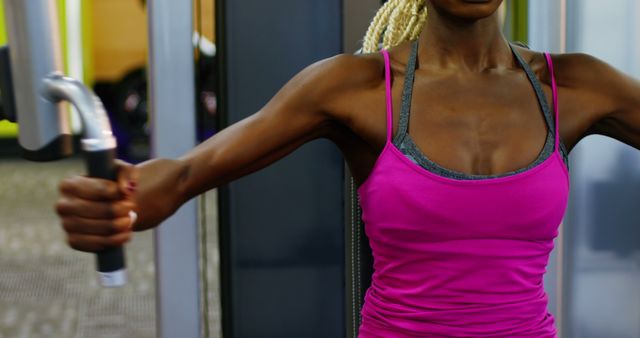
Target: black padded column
x=281, y=230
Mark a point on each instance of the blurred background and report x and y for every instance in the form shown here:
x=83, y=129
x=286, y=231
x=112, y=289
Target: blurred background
x=282, y=255
x=46, y=289
x=601, y=275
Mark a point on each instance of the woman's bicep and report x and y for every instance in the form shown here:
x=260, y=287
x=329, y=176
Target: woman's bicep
x=621, y=118
x=293, y=117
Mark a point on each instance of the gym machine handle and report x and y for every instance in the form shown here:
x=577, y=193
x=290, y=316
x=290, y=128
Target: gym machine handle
x=99, y=146
x=110, y=262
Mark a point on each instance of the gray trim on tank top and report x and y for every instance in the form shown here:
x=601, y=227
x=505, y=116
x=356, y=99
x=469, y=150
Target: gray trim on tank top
x=405, y=144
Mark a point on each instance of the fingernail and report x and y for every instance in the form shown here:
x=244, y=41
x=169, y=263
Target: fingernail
x=131, y=186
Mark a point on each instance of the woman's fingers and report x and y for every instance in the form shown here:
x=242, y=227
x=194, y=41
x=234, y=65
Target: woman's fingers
x=89, y=188
x=76, y=207
x=94, y=243
x=95, y=213
x=100, y=227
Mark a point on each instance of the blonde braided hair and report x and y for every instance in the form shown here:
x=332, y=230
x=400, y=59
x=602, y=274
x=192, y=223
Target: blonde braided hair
x=395, y=22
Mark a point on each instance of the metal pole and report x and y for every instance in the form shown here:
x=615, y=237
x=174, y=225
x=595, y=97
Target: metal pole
x=34, y=49
x=74, y=48
x=172, y=97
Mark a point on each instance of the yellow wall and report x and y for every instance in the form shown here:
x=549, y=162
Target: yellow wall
x=119, y=38
x=119, y=35
x=7, y=129
x=208, y=24
x=3, y=32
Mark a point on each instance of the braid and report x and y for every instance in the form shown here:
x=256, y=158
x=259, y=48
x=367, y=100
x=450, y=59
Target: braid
x=421, y=20
x=395, y=22
x=377, y=26
x=409, y=21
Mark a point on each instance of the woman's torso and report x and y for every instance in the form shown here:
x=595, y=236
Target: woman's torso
x=460, y=256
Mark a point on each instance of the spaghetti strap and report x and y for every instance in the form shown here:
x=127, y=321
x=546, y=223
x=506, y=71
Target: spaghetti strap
x=387, y=75
x=554, y=90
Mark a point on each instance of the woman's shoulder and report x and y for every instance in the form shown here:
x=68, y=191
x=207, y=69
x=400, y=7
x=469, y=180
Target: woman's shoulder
x=574, y=70
x=336, y=83
x=360, y=70
x=348, y=70
x=583, y=71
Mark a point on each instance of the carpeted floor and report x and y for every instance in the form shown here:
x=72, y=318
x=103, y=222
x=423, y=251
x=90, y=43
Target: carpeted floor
x=49, y=290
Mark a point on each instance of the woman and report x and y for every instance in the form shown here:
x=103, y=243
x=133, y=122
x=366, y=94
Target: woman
x=462, y=185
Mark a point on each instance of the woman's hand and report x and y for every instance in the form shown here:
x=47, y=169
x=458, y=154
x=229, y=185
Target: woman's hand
x=97, y=213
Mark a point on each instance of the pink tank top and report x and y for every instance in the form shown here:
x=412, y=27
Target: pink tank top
x=455, y=257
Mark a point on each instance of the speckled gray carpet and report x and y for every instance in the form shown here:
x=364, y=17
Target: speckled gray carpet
x=49, y=290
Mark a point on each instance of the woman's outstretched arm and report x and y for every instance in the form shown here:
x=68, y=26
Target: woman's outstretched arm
x=94, y=212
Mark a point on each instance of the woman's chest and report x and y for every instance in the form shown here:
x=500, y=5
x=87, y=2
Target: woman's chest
x=401, y=200
x=469, y=125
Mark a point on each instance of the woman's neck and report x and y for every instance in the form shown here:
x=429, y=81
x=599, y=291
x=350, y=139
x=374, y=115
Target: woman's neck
x=463, y=45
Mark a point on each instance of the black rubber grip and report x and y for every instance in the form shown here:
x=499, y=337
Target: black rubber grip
x=100, y=164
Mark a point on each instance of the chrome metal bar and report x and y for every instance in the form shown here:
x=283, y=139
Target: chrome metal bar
x=172, y=97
